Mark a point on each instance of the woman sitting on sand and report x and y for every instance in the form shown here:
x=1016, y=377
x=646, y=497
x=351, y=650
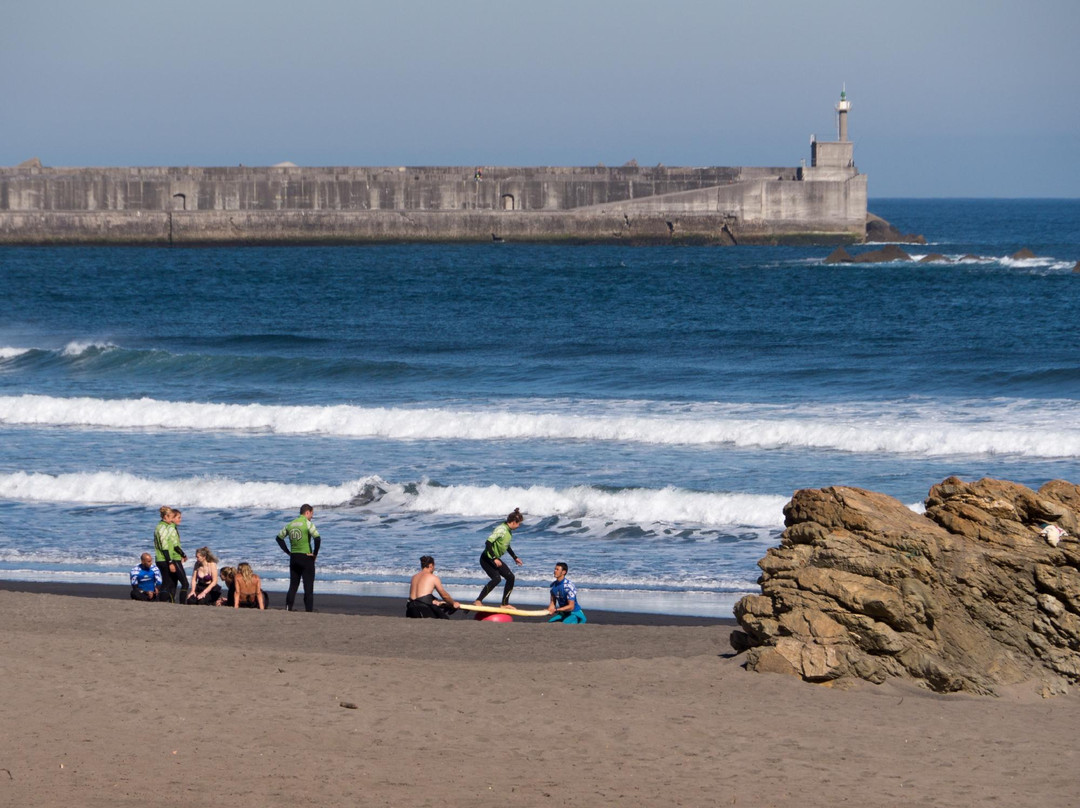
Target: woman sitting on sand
x=205, y=589
x=248, y=592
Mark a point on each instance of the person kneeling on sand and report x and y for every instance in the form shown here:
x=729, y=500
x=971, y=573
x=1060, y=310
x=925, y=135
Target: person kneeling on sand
x=146, y=580
x=422, y=589
x=228, y=577
x=564, y=606
x=247, y=589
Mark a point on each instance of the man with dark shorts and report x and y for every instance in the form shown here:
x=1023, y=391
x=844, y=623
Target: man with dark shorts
x=302, y=548
x=422, y=589
x=146, y=580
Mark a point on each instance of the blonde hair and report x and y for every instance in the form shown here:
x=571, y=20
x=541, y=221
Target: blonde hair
x=207, y=553
x=165, y=512
x=243, y=569
x=227, y=574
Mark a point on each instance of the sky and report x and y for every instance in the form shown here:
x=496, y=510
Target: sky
x=950, y=98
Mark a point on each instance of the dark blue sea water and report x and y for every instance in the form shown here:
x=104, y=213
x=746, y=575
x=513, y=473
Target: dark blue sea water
x=650, y=409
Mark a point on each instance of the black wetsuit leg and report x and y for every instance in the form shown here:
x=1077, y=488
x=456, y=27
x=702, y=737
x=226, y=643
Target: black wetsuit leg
x=210, y=599
x=180, y=577
x=495, y=573
x=301, y=569
x=422, y=607
x=168, y=580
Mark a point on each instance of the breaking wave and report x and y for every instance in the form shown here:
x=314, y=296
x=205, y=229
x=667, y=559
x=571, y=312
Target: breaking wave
x=1047, y=429
x=632, y=506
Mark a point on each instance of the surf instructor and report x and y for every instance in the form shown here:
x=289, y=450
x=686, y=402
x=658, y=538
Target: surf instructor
x=498, y=545
x=168, y=553
x=302, y=548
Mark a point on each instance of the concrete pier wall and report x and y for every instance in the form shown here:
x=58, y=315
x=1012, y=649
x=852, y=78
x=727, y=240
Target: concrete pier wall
x=179, y=205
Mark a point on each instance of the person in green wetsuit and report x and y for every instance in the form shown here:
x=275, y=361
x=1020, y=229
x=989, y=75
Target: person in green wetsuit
x=303, y=548
x=498, y=544
x=168, y=553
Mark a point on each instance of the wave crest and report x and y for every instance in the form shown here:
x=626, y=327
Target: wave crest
x=628, y=506
x=1002, y=428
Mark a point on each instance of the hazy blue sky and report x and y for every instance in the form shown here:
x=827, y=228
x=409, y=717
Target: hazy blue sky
x=949, y=97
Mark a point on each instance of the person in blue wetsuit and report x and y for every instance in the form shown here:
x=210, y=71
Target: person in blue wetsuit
x=146, y=580
x=564, y=606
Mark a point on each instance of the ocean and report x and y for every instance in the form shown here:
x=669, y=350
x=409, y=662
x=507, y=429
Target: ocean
x=649, y=409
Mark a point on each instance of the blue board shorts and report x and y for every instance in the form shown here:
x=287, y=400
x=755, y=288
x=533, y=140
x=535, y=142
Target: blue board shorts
x=569, y=617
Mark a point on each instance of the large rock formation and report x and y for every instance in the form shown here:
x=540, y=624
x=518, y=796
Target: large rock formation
x=969, y=596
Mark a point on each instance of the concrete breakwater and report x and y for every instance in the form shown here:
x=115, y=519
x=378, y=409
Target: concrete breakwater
x=821, y=203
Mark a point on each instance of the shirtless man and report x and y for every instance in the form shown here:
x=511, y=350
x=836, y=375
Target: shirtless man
x=422, y=589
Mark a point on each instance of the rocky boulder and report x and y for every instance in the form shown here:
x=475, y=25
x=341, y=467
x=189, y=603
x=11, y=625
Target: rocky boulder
x=842, y=256
x=1022, y=253
x=969, y=596
x=890, y=252
x=935, y=258
x=879, y=230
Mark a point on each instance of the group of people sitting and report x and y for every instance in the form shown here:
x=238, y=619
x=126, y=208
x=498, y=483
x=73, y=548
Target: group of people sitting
x=243, y=588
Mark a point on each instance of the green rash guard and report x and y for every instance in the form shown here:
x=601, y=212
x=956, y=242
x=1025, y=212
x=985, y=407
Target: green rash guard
x=301, y=533
x=498, y=543
x=167, y=543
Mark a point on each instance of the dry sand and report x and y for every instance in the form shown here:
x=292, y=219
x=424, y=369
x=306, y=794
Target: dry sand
x=107, y=702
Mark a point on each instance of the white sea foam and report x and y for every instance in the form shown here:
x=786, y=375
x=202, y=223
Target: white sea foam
x=1049, y=429
x=635, y=506
x=78, y=348
x=10, y=353
x=106, y=487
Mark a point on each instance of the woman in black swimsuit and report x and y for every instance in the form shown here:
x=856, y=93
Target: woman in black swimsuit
x=205, y=589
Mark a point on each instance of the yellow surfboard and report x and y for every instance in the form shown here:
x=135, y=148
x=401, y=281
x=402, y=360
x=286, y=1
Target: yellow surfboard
x=469, y=607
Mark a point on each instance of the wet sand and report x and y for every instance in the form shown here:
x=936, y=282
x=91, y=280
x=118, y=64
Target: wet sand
x=108, y=702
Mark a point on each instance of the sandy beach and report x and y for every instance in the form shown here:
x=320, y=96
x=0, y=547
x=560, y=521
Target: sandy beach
x=108, y=702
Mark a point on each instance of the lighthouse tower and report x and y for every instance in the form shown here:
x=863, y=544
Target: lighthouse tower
x=842, y=109
x=836, y=159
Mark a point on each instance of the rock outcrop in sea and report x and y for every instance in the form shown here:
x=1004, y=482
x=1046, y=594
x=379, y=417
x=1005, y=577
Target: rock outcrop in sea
x=879, y=230
x=973, y=595
x=890, y=252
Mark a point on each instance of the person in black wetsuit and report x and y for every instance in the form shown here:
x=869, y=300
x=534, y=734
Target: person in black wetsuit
x=303, y=548
x=170, y=555
x=422, y=590
x=497, y=545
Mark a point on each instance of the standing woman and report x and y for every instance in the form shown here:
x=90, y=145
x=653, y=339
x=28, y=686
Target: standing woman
x=168, y=553
x=204, y=575
x=498, y=544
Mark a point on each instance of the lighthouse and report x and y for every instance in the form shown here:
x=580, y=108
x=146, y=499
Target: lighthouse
x=842, y=108
x=833, y=160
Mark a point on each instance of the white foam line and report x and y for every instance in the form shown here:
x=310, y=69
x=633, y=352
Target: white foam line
x=1050, y=431
x=668, y=506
